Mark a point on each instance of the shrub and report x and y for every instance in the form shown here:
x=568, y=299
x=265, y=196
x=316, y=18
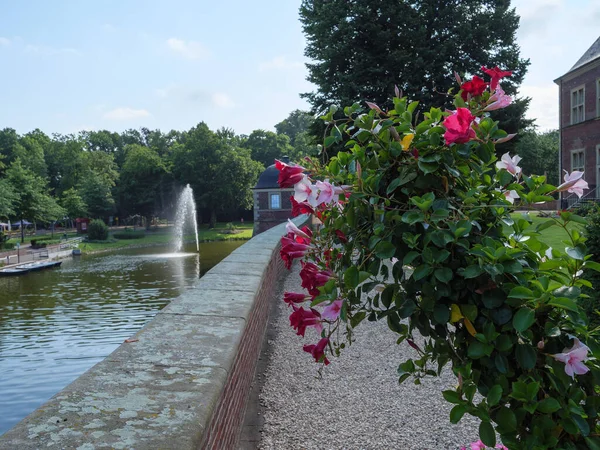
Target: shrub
x=7, y=246
x=414, y=215
x=230, y=227
x=128, y=234
x=97, y=230
x=586, y=208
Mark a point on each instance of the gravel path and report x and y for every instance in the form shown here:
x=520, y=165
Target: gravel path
x=358, y=403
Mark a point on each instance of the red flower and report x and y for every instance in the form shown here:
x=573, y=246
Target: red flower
x=458, y=127
x=300, y=208
x=302, y=318
x=294, y=297
x=341, y=236
x=288, y=175
x=312, y=278
x=317, y=351
x=496, y=74
x=290, y=250
x=475, y=87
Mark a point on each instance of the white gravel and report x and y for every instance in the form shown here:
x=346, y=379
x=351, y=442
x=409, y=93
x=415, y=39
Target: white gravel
x=357, y=403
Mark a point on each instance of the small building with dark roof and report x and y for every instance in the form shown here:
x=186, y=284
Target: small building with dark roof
x=272, y=204
x=579, y=124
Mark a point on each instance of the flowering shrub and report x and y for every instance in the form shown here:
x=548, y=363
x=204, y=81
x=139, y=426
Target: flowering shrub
x=417, y=230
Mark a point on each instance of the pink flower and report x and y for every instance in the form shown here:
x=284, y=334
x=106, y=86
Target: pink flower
x=300, y=208
x=510, y=164
x=496, y=75
x=288, y=175
x=332, y=312
x=574, y=183
x=511, y=196
x=305, y=191
x=294, y=297
x=475, y=87
x=290, y=250
x=341, y=236
x=303, y=233
x=301, y=318
x=313, y=278
x=574, y=359
x=318, y=351
x=458, y=127
x=505, y=139
x=477, y=445
x=326, y=192
x=499, y=100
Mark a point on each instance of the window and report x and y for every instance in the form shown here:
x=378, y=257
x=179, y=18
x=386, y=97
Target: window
x=577, y=105
x=598, y=97
x=577, y=160
x=275, y=201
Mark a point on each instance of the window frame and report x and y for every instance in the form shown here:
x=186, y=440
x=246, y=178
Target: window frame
x=578, y=105
x=597, y=97
x=573, y=153
x=278, y=196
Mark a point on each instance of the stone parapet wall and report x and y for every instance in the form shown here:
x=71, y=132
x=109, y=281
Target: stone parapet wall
x=182, y=382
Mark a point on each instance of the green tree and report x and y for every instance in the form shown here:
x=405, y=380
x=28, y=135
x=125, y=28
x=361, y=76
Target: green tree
x=362, y=48
x=140, y=180
x=31, y=200
x=220, y=173
x=73, y=204
x=540, y=154
x=7, y=199
x=266, y=146
x=296, y=123
x=97, y=195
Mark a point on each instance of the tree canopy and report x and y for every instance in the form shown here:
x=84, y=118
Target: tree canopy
x=360, y=49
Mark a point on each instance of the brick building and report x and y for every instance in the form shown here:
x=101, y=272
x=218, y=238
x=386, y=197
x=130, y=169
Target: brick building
x=272, y=204
x=579, y=122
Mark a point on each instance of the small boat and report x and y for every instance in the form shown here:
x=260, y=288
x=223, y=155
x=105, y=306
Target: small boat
x=22, y=269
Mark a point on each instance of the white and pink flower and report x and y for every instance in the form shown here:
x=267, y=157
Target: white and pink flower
x=574, y=358
x=305, y=191
x=499, y=100
x=574, y=183
x=510, y=164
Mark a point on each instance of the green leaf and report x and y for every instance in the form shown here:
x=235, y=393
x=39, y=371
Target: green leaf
x=494, y=395
x=457, y=413
x=351, y=277
x=393, y=185
x=521, y=292
x=444, y=274
x=547, y=224
x=410, y=257
x=412, y=217
x=577, y=252
x=526, y=356
x=452, y=397
x=428, y=167
x=568, y=292
x=582, y=424
x=439, y=214
x=471, y=271
x=592, y=265
x=385, y=250
x=501, y=363
x=548, y=405
x=593, y=443
x=477, y=350
x=564, y=303
x=506, y=420
x=422, y=271
x=487, y=434
x=523, y=319
x=363, y=276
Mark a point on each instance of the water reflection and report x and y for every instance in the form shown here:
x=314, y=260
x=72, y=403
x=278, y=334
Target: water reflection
x=56, y=324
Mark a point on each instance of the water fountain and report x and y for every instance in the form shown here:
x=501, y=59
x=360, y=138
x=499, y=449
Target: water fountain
x=186, y=210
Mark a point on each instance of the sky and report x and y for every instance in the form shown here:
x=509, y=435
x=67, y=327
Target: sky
x=69, y=65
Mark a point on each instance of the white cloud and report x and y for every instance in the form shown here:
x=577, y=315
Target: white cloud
x=279, y=63
x=188, y=50
x=50, y=51
x=222, y=100
x=4, y=42
x=126, y=114
x=544, y=104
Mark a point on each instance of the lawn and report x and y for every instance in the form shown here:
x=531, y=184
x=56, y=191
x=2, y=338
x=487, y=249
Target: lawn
x=553, y=236
x=164, y=236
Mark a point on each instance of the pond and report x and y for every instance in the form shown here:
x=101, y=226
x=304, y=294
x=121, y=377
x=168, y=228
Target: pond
x=56, y=324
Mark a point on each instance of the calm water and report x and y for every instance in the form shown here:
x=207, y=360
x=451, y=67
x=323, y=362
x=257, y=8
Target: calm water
x=56, y=324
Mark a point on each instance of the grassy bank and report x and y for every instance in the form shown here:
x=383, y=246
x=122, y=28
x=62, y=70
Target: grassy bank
x=164, y=236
